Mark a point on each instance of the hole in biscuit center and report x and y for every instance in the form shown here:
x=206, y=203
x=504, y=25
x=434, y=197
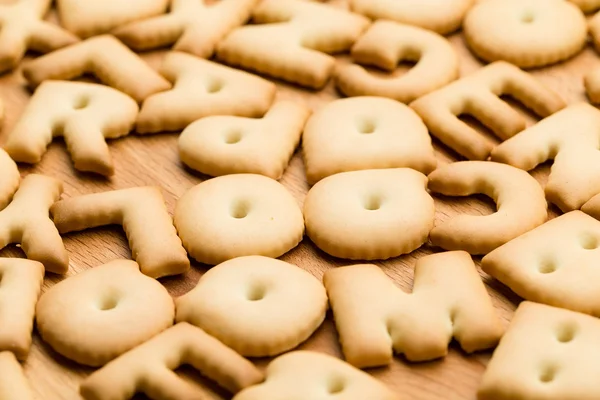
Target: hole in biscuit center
x=566, y=333
x=240, y=209
x=108, y=303
x=548, y=374
x=547, y=267
x=81, y=102
x=257, y=292
x=589, y=242
x=527, y=17
x=372, y=203
x=233, y=137
x=214, y=86
x=366, y=127
x=336, y=385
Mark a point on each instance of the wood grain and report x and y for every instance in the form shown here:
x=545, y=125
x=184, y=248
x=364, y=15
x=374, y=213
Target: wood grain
x=153, y=160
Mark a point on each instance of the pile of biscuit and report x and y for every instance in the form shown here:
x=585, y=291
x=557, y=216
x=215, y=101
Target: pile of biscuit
x=371, y=164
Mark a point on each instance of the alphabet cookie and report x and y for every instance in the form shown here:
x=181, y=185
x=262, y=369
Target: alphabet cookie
x=278, y=305
x=13, y=383
x=195, y=26
x=292, y=40
x=386, y=44
x=221, y=145
x=519, y=198
x=25, y=221
x=365, y=133
x=523, y=32
x=238, y=215
x=104, y=57
x=148, y=368
x=374, y=318
x=203, y=88
x=478, y=96
x=85, y=114
x=9, y=181
x=369, y=215
x=142, y=213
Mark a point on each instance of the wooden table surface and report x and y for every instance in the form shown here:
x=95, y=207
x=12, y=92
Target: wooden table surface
x=154, y=160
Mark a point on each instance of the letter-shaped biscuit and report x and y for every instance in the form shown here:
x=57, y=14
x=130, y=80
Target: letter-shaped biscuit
x=365, y=133
x=547, y=353
x=86, y=115
x=142, y=213
x=277, y=305
x=25, y=220
x=387, y=43
x=23, y=28
x=555, y=264
x=292, y=39
x=149, y=367
x=221, y=145
x=195, y=26
x=441, y=16
x=302, y=375
x=203, y=88
x=374, y=317
x=9, y=178
x=477, y=95
x=371, y=214
x=21, y=282
x=101, y=313
x=13, y=383
x=571, y=138
x=519, y=198
x=104, y=57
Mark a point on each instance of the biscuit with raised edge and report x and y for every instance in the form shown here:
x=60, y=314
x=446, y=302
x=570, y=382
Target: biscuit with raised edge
x=386, y=44
x=203, y=88
x=21, y=285
x=238, y=215
x=13, y=383
x=193, y=26
x=26, y=221
x=142, y=213
x=587, y=5
x=88, y=18
x=554, y=264
x=523, y=32
x=85, y=114
x=292, y=40
x=375, y=318
x=302, y=375
x=222, y=145
x=24, y=28
x=520, y=201
x=278, y=305
x=149, y=368
x=365, y=133
x=477, y=95
x=107, y=59
x=570, y=138
x=9, y=180
x=441, y=16
x=369, y=215
x=547, y=353
x=103, y=312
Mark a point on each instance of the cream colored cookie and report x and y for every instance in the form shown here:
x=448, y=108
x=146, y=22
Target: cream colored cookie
x=85, y=114
x=149, y=368
x=521, y=205
x=13, y=383
x=592, y=207
x=302, y=375
x=587, y=5
x=292, y=40
x=193, y=26
x=441, y=16
x=21, y=282
x=555, y=264
x=370, y=214
x=365, y=133
x=203, y=88
x=477, y=95
x=277, y=305
x=107, y=59
x=142, y=213
x=9, y=180
x=547, y=353
x=374, y=318
x=524, y=32
x=386, y=44
x=99, y=314
x=222, y=145
x=87, y=18
x=592, y=77
x=570, y=138
x=26, y=221
x=238, y=215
